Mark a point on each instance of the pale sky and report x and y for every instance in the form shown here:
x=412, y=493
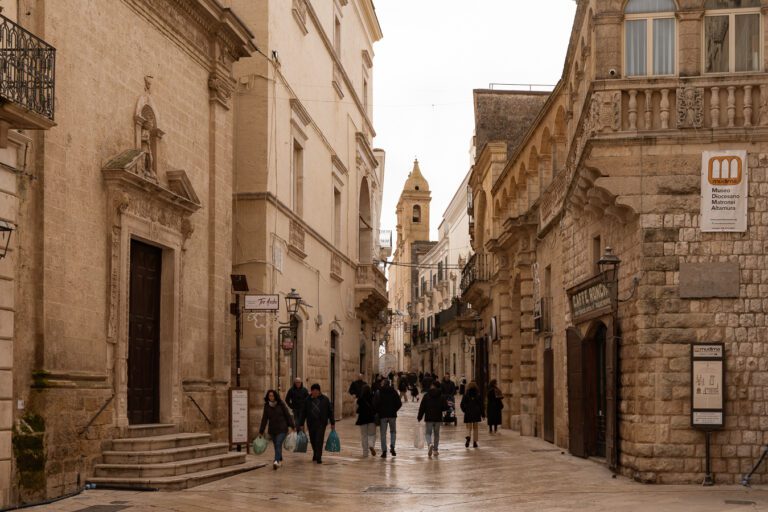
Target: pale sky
x=434, y=53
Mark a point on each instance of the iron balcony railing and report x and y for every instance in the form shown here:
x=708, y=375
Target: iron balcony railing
x=27, y=69
x=477, y=269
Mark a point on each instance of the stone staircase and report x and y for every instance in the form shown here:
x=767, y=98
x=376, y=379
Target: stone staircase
x=159, y=457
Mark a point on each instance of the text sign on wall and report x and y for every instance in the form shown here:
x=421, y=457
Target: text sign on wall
x=707, y=385
x=724, y=192
x=262, y=302
x=238, y=416
x=589, y=298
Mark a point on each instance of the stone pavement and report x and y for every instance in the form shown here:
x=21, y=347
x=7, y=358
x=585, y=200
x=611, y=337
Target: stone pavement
x=507, y=472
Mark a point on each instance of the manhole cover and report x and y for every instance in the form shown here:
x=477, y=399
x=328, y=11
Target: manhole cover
x=740, y=502
x=103, y=508
x=384, y=489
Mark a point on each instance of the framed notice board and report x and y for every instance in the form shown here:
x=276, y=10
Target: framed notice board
x=707, y=386
x=238, y=416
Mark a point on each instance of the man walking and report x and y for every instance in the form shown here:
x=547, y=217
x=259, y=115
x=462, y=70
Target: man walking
x=318, y=412
x=431, y=410
x=386, y=403
x=357, y=386
x=448, y=387
x=296, y=398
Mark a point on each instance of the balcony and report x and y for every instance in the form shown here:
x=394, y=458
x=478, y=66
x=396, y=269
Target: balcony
x=27, y=80
x=475, y=279
x=371, y=290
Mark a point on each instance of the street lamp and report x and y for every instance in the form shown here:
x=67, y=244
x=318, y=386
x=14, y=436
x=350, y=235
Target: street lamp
x=292, y=302
x=609, y=267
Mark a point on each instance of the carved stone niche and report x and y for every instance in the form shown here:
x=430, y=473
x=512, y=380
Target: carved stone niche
x=605, y=112
x=140, y=208
x=147, y=133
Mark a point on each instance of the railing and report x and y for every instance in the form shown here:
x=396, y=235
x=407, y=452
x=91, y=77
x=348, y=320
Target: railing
x=27, y=69
x=98, y=413
x=477, y=269
x=370, y=275
x=705, y=102
x=450, y=314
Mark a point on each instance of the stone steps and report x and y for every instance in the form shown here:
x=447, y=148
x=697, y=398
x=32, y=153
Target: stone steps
x=159, y=457
x=166, y=455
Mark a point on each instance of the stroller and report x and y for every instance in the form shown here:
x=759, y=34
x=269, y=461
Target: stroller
x=449, y=416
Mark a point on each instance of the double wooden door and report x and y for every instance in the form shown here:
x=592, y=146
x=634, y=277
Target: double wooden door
x=144, y=334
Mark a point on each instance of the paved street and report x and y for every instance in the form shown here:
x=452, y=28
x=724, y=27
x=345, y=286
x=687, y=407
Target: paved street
x=506, y=472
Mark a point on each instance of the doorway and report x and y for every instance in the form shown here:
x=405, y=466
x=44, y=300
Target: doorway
x=596, y=392
x=549, y=393
x=481, y=364
x=144, y=334
x=334, y=346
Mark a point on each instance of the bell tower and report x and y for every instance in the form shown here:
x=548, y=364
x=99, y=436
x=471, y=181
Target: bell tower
x=413, y=209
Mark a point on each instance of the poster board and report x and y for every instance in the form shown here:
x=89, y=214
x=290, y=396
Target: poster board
x=724, y=191
x=238, y=416
x=707, y=386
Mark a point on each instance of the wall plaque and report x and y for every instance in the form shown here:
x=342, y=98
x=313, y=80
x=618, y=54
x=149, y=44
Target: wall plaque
x=714, y=279
x=724, y=192
x=707, y=385
x=238, y=416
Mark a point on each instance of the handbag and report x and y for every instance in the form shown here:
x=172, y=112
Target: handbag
x=333, y=444
x=290, y=442
x=259, y=445
x=301, y=443
x=418, y=439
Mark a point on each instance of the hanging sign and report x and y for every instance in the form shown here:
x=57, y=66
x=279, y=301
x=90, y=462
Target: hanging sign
x=262, y=302
x=707, y=385
x=724, y=192
x=590, y=299
x=238, y=416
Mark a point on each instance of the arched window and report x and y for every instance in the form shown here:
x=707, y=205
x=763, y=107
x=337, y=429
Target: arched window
x=417, y=214
x=732, y=36
x=649, y=37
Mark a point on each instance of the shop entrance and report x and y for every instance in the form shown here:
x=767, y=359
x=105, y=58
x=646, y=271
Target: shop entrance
x=549, y=394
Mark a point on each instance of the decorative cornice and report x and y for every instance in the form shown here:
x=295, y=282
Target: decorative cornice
x=367, y=59
x=300, y=111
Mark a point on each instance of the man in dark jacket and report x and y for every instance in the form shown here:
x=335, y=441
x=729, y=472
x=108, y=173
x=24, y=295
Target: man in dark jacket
x=431, y=409
x=296, y=398
x=448, y=387
x=357, y=386
x=318, y=412
x=386, y=403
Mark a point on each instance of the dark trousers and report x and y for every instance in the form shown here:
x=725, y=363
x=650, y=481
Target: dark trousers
x=317, y=439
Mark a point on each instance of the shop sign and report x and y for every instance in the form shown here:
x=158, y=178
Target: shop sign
x=262, y=302
x=589, y=299
x=707, y=385
x=238, y=416
x=724, y=192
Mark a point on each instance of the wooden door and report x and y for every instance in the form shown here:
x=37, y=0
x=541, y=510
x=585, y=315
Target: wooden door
x=334, y=343
x=575, y=394
x=549, y=396
x=144, y=334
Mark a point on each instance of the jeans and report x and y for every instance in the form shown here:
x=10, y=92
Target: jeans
x=367, y=437
x=432, y=426
x=391, y=423
x=277, y=440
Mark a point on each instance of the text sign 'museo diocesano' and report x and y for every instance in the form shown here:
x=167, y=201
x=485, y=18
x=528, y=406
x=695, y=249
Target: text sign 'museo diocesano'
x=724, y=192
x=707, y=385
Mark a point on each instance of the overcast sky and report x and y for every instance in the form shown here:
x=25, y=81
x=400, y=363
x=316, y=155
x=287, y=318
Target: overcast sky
x=434, y=53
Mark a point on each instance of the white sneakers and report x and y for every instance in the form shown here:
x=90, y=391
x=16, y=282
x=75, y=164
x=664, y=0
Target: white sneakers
x=275, y=465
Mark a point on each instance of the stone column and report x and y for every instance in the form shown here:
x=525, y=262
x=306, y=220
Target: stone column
x=528, y=357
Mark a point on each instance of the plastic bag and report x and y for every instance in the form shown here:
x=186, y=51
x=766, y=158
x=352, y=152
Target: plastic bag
x=259, y=445
x=333, y=444
x=301, y=443
x=290, y=442
x=418, y=439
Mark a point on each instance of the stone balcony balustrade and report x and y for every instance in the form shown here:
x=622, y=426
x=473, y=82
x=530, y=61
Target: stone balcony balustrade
x=371, y=289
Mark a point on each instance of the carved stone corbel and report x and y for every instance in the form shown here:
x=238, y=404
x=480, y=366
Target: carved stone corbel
x=690, y=107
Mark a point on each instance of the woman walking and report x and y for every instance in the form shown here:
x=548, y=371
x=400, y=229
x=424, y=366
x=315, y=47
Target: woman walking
x=472, y=406
x=280, y=419
x=495, y=405
x=366, y=419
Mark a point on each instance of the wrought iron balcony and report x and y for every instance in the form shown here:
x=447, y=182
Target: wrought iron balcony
x=477, y=269
x=27, y=74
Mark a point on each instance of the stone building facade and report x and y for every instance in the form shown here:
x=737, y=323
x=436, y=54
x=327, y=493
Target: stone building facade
x=616, y=157
x=122, y=240
x=308, y=190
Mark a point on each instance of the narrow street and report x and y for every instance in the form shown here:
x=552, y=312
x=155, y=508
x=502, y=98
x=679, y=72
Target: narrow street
x=506, y=472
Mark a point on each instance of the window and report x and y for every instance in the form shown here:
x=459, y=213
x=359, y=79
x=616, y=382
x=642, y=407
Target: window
x=365, y=95
x=732, y=36
x=649, y=38
x=336, y=216
x=597, y=252
x=416, y=214
x=297, y=178
x=337, y=36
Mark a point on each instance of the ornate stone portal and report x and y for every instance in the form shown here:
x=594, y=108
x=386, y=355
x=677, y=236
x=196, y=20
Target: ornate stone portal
x=143, y=208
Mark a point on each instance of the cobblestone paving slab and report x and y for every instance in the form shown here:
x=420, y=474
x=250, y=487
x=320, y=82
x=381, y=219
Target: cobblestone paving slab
x=507, y=472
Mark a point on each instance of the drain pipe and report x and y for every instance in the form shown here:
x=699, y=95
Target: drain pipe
x=44, y=502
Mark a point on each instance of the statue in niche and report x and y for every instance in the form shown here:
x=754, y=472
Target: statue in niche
x=146, y=147
x=148, y=134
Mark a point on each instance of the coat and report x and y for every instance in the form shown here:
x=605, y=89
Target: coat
x=448, y=387
x=472, y=406
x=356, y=387
x=365, y=411
x=432, y=406
x=387, y=402
x=278, y=417
x=495, y=405
x=318, y=412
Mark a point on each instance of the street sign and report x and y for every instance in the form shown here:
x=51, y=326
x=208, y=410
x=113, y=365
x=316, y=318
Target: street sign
x=707, y=383
x=262, y=302
x=238, y=416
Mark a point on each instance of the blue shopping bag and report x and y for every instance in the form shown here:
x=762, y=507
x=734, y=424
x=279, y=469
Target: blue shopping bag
x=333, y=444
x=301, y=442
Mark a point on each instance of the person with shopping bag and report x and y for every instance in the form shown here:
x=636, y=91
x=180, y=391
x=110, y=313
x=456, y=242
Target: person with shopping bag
x=386, y=403
x=280, y=421
x=431, y=410
x=472, y=405
x=318, y=413
x=366, y=419
x=295, y=399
